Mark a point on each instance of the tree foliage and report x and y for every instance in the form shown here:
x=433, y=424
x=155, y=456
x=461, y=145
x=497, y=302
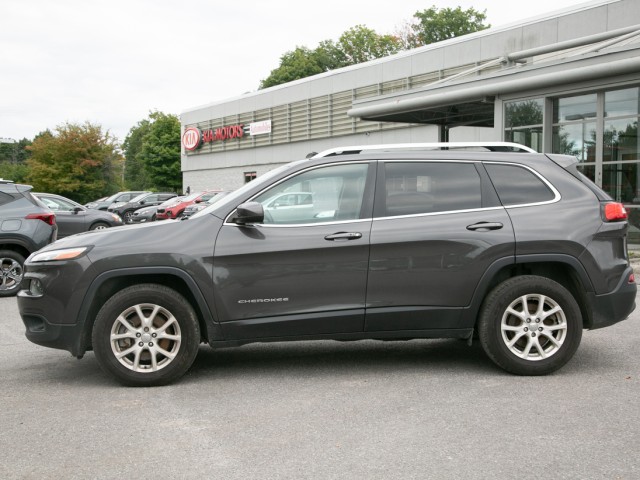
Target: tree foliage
x=77, y=161
x=13, y=157
x=135, y=175
x=361, y=44
x=435, y=25
x=152, y=153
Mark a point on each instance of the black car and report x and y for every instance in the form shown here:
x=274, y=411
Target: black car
x=73, y=218
x=120, y=197
x=517, y=248
x=26, y=225
x=125, y=210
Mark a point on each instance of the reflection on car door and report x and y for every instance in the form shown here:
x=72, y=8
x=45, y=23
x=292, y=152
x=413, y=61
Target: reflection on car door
x=436, y=225
x=282, y=278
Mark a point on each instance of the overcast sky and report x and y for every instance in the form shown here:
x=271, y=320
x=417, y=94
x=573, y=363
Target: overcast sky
x=112, y=62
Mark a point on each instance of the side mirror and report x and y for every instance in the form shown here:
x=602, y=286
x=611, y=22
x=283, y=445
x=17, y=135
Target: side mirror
x=250, y=212
x=77, y=210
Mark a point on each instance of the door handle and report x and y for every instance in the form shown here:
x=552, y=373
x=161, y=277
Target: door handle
x=343, y=236
x=485, y=226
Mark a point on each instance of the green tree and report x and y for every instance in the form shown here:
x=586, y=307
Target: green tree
x=435, y=25
x=296, y=64
x=356, y=45
x=13, y=157
x=361, y=44
x=156, y=151
x=77, y=161
x=135, y=173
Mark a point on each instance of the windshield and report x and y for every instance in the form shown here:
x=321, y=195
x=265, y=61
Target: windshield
x=139, y=197
x=234, y=196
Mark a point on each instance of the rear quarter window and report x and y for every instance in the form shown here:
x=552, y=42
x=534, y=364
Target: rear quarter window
x=5, y=198
x=518, y=185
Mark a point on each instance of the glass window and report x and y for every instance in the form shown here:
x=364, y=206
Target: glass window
x=5, y=198
x=319, y=195
x=621, y=140
x=577, y=139
x=518, y=186
x=621, y=102
x=578, y=108
x=523, y=123
x=428, y=187
x=57, y=204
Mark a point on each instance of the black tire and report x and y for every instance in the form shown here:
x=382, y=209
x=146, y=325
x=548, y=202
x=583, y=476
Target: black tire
x=530, y=341
x=170, y=316
x=11, y=272
x=99, y=226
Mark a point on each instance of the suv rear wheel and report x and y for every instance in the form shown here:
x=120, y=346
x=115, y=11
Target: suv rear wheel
x=11, y=271
x=146, y=335
x=530, y=325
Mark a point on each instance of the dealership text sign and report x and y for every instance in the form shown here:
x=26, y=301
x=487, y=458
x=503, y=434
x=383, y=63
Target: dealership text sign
x=193, y=137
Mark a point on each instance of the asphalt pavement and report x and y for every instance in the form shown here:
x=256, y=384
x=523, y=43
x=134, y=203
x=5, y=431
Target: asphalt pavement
x=324, y=410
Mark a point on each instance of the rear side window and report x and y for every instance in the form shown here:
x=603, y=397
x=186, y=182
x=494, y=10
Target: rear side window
x=518, y=186
x=5, y=198
x=429, y=187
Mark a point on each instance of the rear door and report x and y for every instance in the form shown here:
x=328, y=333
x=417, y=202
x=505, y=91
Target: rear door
x=438, y=226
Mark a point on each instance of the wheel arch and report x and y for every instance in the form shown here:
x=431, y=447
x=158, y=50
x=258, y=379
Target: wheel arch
x=108, y=283
x=564, y=269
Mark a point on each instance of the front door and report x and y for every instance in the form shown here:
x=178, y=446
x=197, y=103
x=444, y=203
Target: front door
x=303, y=271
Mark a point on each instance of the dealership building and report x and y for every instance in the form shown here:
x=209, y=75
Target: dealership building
x=564, y=82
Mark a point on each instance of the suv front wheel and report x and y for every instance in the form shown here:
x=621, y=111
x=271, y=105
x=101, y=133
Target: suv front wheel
x=530, y=325
x=11, y=271
x=146, y=335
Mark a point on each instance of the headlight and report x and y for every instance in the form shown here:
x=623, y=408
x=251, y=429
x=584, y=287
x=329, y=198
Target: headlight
x=116, y=218
x=62, y=254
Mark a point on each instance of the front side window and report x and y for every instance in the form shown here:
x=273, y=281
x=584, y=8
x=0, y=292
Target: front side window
x=413, y=188
x=57, y=204
x=333, y=193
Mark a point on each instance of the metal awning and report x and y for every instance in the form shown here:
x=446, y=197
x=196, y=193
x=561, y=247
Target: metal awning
x=471, y=101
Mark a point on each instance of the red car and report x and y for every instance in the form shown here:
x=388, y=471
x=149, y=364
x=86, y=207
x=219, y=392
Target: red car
x=174, y=210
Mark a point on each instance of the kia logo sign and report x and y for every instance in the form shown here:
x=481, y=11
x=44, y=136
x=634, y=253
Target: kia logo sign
x=191, y=138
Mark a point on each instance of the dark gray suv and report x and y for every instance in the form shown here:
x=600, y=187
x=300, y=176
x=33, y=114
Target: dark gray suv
x=26, y=225
x=515, y=248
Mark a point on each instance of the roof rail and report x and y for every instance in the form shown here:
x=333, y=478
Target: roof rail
x=490, y=146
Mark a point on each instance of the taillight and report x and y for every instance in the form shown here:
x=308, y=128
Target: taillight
x=48, y=218
x=614, y=211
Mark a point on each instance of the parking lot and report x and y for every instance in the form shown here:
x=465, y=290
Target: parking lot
x=418, y=409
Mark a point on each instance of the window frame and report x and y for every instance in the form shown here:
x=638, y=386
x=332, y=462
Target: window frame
x=489, y=198
x=366, y=208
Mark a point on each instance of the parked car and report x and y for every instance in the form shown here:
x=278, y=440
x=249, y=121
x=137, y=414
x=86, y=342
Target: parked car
x=176, y=208
x=125, y=210
x=120, y=197
x=149, y=214
x=26, y=226
x=196, y=207
x=73, y=218
x=289, y=206
x=400, y=244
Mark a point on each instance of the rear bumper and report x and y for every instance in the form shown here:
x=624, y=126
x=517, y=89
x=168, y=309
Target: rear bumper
x=615, y=306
